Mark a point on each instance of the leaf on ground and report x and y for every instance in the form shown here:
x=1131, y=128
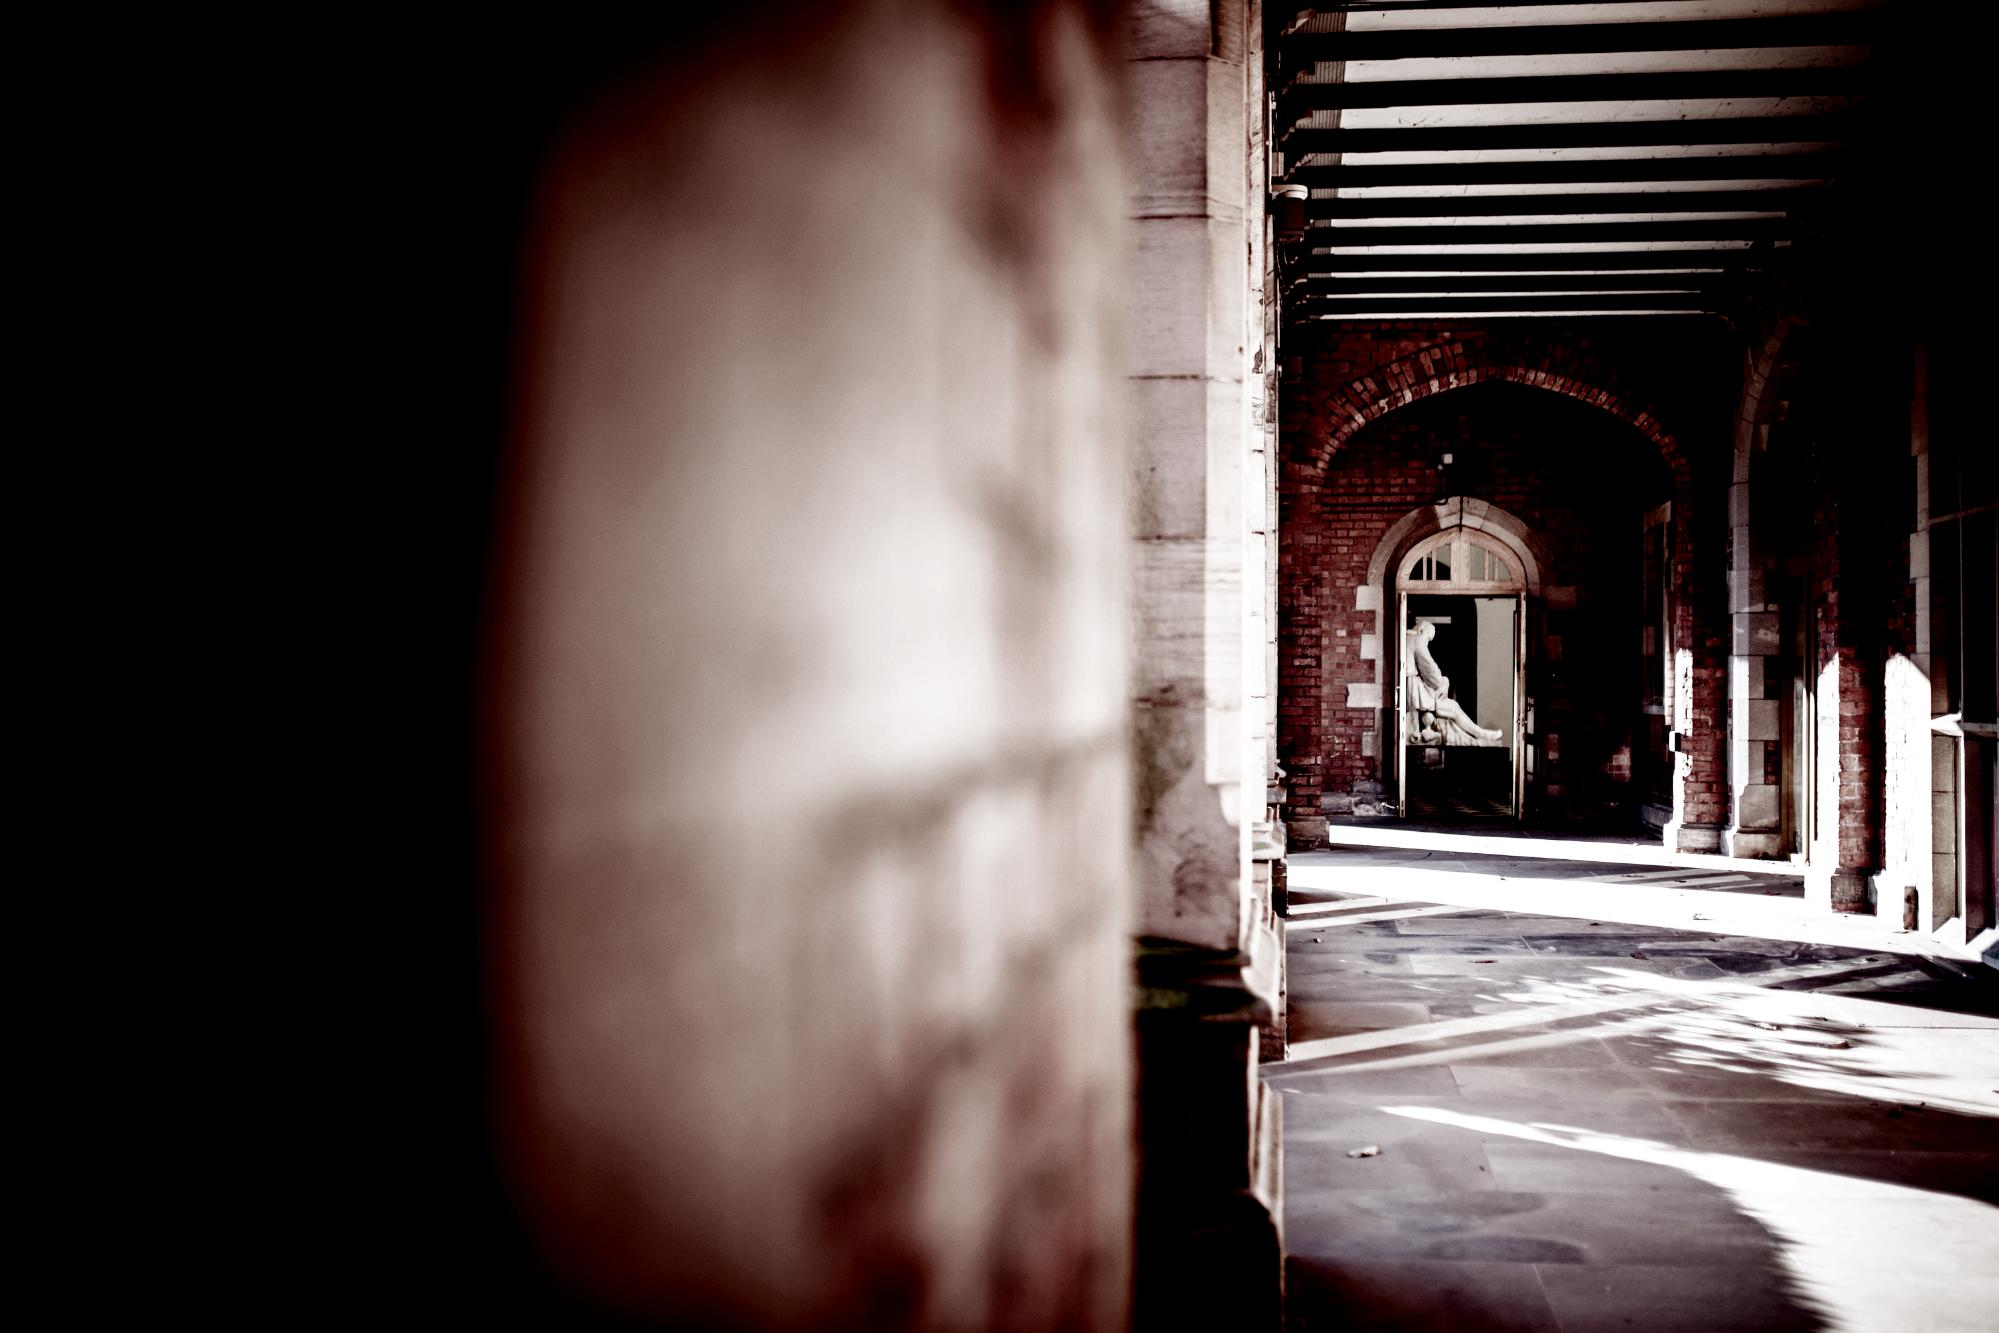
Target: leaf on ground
x=1638, y=955
x=1368, y=1150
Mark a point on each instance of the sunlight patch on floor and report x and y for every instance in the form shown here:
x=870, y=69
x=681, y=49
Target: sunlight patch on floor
x=1864, y=1254
x=1633, y=902
x=1846, y=1044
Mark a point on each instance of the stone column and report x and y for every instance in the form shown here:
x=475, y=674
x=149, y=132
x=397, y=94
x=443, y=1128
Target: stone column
x=1188, y=88
x=1844, y=855
x=1210, y=958
x=1918, y=888
x=817, y=458
x=1304, y=599
x=1755, y=826
x=1700, y=672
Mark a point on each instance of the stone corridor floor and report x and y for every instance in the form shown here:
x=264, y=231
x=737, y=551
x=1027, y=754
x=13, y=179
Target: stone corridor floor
x=1608, y=1096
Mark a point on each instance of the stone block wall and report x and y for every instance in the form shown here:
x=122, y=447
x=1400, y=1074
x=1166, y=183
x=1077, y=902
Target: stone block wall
x=1919, y=837
x=812, y=809
x=1211, y=963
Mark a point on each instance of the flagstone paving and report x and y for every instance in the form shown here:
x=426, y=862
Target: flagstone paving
x=1587, y=1123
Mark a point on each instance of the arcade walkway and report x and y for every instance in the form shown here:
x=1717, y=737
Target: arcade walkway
x=1529, y=1093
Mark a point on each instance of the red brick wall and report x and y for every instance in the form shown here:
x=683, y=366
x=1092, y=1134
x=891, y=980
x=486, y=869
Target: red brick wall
x=1580, y=482
x=1860, y=613
x=1363, y=424
x=1846, y=447
x=1700, y=624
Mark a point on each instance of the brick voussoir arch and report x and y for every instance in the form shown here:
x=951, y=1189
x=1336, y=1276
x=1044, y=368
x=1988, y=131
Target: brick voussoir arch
x=1462, y=362
x=1320, y=424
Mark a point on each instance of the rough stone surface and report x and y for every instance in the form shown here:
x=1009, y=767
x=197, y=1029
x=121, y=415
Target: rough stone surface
x=821, y=462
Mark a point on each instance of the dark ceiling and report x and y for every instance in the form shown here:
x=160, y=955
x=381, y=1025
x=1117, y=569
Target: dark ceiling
x=1669, y=157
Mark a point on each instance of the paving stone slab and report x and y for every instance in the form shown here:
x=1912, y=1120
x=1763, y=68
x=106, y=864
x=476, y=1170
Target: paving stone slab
x=1593, y=1084
x=1447, y=1163
x=1650, y=1298
x=1665, y=1228
x=1819, y=1075
x=1970, y=1175
x=1547, y=1169
x=1340, y=1114
x=1417, y=1297
x=1552, y=967
x=1427, y=1081
x=1367, y=1014
x=1801, y=1124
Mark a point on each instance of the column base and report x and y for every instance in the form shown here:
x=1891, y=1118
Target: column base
x=1209, y=1239
x=1840, y=889
x=1759, y=844
x=1306, y=832
x=1681, y=836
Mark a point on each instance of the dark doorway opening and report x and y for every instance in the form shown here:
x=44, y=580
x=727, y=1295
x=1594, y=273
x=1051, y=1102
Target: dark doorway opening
x=1475, y=647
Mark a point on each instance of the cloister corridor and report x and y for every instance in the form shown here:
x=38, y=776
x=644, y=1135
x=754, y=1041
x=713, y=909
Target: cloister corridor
x=1529, y=1091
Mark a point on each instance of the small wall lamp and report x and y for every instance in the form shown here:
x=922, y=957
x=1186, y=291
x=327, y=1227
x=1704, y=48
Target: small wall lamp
x=1287, y=205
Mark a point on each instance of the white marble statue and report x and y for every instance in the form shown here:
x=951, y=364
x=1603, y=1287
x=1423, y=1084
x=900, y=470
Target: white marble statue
x=1434, y=718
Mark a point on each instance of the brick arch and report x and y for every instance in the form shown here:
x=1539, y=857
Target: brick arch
x=1321, y=422
x=1770, y=367
x=1539, y=363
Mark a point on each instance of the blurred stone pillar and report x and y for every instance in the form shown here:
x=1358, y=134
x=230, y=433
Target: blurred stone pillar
x=810, y=922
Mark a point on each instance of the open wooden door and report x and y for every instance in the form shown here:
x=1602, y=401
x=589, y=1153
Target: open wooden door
x=1401, y=708
x=1460, y=623
x=1520, y=707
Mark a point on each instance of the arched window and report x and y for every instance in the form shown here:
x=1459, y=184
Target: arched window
x=1460, y=560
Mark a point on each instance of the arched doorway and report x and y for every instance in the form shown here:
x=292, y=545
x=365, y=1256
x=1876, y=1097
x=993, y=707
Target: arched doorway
x=1460, y=698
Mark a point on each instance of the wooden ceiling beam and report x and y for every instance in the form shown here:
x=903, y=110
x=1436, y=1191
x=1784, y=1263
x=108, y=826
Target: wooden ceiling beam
x=1489, y=261
x=1677, y=86
x=1790, y=199
x=1455, y=283
x=1396, y=308
x=1838, y=29
x=1819, y=165
x=1552, y=233
x=1832, y=127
